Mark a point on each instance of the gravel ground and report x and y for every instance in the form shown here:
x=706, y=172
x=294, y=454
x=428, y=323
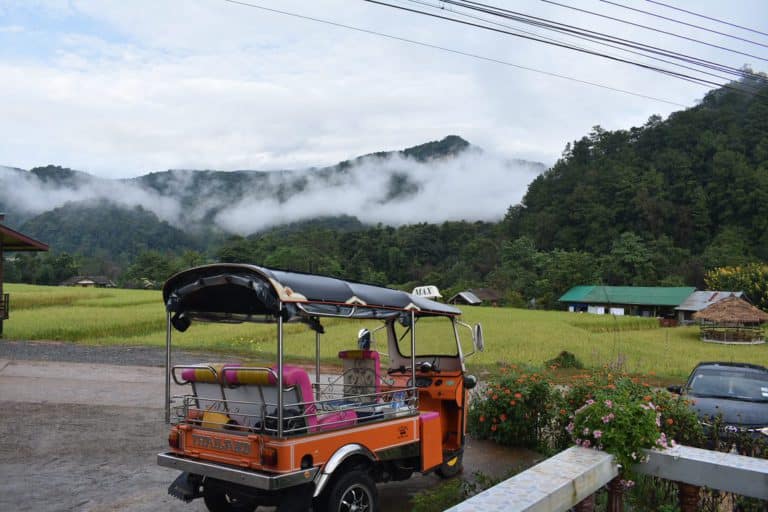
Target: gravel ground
x=80, y=428
x=112, y=354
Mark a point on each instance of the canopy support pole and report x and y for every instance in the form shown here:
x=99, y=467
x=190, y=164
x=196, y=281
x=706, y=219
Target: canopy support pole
x=413, y=359
x=280, y=370
x=317, y=365
x=168, y=368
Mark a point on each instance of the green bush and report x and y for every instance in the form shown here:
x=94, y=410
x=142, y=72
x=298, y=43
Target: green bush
x=565, y=359
x=516, y=410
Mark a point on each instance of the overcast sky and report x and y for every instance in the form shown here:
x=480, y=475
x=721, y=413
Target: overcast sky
x=120, y=88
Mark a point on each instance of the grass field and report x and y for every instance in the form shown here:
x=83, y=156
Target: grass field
x=136, y=317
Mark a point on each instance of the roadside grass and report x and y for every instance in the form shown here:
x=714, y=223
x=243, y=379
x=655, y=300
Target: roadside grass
x=513, y=336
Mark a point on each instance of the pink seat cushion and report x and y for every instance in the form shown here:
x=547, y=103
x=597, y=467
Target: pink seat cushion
x=336, y=419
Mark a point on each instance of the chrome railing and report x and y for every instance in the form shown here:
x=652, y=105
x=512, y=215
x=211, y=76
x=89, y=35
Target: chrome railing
x=330, y=413
x=5, y=300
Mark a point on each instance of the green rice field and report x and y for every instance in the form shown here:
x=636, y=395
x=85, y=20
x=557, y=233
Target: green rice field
x=136, y=317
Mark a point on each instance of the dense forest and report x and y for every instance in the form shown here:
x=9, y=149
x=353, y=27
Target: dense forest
x=659, y=204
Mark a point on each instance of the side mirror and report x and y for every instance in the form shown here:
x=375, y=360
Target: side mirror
x=181, y=322
x=678, y=390
x=477, y=337
x=470, y=381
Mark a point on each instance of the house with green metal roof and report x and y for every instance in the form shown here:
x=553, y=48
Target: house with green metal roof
x=651, y=301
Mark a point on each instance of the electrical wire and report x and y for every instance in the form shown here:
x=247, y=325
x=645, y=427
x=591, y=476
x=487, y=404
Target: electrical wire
x=454, y=51
x=682, y=76
x=707, y=17
x=683, y=23
x=599, y=36
x=654, y=29
x=584, y=38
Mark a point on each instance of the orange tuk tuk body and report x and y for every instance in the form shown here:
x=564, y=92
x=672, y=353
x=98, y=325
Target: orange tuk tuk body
x=246, y=436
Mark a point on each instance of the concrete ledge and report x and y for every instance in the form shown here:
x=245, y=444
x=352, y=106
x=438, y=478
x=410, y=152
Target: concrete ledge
x=729, y=472
x=554, y=485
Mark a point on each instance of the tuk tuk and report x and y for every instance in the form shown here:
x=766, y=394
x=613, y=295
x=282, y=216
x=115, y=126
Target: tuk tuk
x=245, y=436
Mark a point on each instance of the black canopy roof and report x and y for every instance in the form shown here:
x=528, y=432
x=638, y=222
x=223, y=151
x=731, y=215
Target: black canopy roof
x=239, y=292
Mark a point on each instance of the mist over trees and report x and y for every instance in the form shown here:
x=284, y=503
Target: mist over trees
x=661, y=204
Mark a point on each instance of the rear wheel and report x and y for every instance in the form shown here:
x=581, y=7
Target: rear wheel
x=220, y=500
x=354, y=491
x=451, y=467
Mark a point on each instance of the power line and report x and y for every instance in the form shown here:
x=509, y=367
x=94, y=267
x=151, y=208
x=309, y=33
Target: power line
x=683, y=23
x=576, y=36
x=454, y=51
x=654, y=29
x=707, y=17
x=682, y=76
x=598, y=36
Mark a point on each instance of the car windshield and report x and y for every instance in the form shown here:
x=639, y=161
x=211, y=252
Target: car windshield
x=729, y=383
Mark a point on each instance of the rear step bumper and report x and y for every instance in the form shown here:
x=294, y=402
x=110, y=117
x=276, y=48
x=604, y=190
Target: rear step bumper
x=267, y=482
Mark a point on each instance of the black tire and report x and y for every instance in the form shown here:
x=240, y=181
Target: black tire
x=352, y=490
x=218, y=499
x=451, y=467
x=296, y=499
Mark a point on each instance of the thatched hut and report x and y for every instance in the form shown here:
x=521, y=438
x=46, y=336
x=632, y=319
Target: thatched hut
x=732, y=320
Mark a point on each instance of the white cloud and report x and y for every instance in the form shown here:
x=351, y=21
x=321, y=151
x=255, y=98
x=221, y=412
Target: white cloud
x=208, y=84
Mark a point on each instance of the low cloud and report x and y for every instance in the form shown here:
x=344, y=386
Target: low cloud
x=395, y=190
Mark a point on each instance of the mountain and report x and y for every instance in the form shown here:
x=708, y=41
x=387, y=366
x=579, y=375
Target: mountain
x=101, y=228
x=77, y=212
x=697, y=181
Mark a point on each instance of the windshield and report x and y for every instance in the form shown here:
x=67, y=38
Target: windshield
x=729, y=383
x=434, y=337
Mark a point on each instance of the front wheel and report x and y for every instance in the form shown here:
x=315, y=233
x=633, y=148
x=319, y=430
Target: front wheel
x=354, y=491
x=220, y=500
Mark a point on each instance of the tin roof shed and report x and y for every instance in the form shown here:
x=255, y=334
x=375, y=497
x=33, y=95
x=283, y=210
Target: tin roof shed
x=632, y=295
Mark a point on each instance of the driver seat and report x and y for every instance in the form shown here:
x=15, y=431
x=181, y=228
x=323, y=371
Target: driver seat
x=362, y=374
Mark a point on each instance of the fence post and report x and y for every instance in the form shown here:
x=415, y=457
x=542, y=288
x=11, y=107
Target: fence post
x=586, y=505
x=615, y=495
x=689, y=497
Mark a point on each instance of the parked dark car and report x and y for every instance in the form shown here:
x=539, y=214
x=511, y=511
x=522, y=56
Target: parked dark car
x=737, y=392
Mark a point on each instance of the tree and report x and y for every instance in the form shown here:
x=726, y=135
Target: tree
x=751, y=278
x=629, y=262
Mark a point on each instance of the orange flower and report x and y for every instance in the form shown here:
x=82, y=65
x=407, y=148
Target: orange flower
x=506, y=391
x=563, y=412
x=482, y=419
x=493, y=428
x=503, y=417
x=495, y=397
x=518, y=395
x=647, y=398
x=512, y=403
x=670, y=421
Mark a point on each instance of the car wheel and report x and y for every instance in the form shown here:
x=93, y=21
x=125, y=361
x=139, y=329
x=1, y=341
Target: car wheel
x=220, y=500
x=451, y=467
x=354, y=491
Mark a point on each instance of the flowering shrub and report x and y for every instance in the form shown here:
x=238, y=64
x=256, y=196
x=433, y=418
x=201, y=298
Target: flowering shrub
x=515, y=410
x=622, y=421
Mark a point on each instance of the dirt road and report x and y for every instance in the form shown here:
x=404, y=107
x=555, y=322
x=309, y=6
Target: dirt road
x=82, y=436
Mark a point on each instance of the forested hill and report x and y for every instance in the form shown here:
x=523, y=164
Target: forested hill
x=697, y=181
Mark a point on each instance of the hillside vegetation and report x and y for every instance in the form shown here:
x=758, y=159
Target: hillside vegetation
x=667, y=204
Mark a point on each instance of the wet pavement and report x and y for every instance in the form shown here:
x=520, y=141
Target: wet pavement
x=84, y=435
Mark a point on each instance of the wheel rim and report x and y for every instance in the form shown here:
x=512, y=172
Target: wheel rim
x=357, y=498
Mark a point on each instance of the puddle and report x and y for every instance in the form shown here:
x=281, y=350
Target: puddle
x=483, y=456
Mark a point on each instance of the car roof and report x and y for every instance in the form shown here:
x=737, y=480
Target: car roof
x=743, y=366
